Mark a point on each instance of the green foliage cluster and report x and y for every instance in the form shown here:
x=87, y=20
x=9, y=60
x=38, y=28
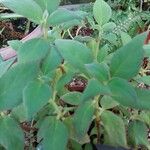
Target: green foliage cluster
x=34, y=88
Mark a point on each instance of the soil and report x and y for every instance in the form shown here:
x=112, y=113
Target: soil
x=14, y=30
x=77, y=84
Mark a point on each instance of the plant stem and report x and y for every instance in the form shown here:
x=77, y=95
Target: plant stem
x=70, y=34
x=97, y=119
x=56, y=107
x=45, y=30
x=97, y=49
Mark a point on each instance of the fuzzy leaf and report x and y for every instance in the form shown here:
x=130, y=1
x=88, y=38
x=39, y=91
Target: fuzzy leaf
x=4, y=66
x=126, y=61
x=83, y=118
x=123, y=92
x=56, y=136
x=102, y=12
x=61, y=16
x=137, y=133
x=143, y=99
x=13, y=82
x=49, y=5
x=76, y=53
x=11, y=135
x=115, y=134
x=35, y=96
x=52, y=61
x=33, y=50
x=35, y=13
x=93, y=89
x=100, y=71
x=73, y=98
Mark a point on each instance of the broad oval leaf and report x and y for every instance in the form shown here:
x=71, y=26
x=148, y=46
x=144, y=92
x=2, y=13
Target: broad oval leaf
x=126, y=61
x=61, y=16
x=93, y=89
x=27, y=8
x=115, y=134
x=15, y=44
x=11, y=135
x=100, y=71
x=76, y=53
x=73, y=98
x=35, y=96
x=72, y=134
x=137, y=134
x=125, y=38
x=13, y=82
x=110, y=26
x=56, y=136
x=108, y=102
x=83, y=118
x=102, y=12
x=123, y=92
x=49, y=5
x=143, y=79
x=51, y=61
x=33, y=50
x=4, y=66
x=143, y=99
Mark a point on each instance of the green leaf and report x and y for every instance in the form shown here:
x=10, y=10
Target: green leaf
x=144, y=116
x=73, y=98
x=49, y=5
x=33, y=50
x=75, y=145
x=114, y=128
x=126, y=62
x=71, y=23
x=19, y=113
x=56, y=136
x=15, y=44
x=125, y=37
x=143, y=79
x=100, y=71
x=4, y=66
x=35, y=96
x=13, y=82
x=146, y=50
x=108, y=102
x=137, y=134
x=21, y=7
x=93, y=89
x=65, y=79
x=72, y=133
x=110, y=26
x=83, y=118
x=123, y=92
x=103, y=53
x=143, y=99
x=110, y=38
x=52, y=60
x=61, y=16
x=76, y=53
x=102, y=12
x=11, y=135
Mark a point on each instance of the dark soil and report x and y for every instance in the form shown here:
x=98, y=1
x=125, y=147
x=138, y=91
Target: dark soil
x=14, y=30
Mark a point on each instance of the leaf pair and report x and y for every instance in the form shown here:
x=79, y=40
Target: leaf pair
x=31, y=9
x=54, y=133
x=43, y=11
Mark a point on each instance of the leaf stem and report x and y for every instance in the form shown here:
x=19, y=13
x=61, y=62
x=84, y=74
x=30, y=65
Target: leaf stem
x=56, y=107
x=97, y=119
